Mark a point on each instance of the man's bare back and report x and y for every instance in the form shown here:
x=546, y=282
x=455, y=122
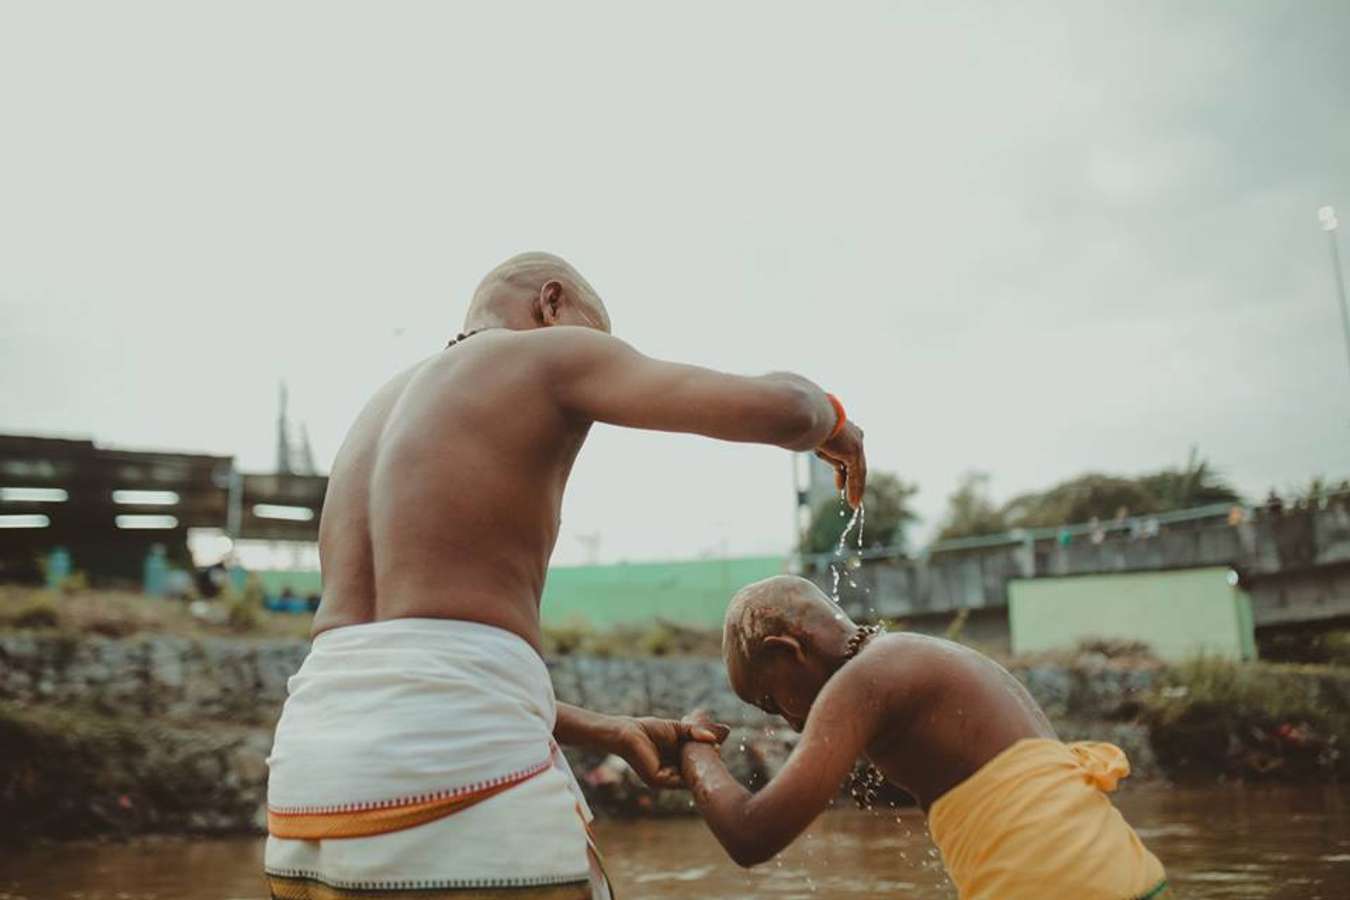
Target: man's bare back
x=444, y=500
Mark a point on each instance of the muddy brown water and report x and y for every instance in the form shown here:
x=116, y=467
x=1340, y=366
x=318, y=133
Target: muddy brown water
x=1277, y=842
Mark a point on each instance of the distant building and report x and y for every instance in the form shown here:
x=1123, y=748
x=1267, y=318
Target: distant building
x=108, y=507
x=1177, y=613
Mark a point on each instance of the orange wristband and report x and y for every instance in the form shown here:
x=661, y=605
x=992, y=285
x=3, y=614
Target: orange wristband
x=842, y=417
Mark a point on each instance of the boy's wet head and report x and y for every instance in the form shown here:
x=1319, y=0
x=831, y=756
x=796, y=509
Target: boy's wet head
x=782, y=640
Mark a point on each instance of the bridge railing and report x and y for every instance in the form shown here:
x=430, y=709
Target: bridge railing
x=973, y=573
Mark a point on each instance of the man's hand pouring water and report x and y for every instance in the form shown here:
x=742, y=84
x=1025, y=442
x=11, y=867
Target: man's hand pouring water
x=844, y=451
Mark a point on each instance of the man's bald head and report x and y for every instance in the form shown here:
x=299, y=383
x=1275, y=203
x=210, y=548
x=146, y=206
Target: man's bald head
x=784, y=605
x=533, y=290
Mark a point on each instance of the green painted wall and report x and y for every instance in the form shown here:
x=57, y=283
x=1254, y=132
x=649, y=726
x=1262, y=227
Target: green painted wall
x=1179, y=613
x=691, y=593
x=301, y=582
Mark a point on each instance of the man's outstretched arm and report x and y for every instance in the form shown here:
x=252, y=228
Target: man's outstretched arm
x=602, y=379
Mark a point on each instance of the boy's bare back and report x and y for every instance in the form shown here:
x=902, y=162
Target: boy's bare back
x=939, y=711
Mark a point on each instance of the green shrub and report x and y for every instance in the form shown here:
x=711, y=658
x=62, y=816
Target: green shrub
x=563, y=640
x=957, y=625
x=242, y=615
x=73, y=773
x=1326, y=647
x=30, y=611
x=254, y=594
x=659, y=638
x=1251, y=720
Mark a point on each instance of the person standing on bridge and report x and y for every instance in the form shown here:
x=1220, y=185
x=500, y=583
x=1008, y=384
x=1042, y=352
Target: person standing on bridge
x=418, y=747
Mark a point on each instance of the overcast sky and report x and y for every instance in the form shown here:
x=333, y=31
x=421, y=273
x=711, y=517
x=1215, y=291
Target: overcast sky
x=1032, y=240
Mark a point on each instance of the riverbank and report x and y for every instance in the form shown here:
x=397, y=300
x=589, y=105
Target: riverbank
x=160, y=732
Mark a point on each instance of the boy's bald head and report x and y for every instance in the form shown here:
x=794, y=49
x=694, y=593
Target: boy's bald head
x=784, y=605
x=518, y=293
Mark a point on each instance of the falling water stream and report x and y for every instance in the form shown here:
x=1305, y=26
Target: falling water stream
x=840, y=553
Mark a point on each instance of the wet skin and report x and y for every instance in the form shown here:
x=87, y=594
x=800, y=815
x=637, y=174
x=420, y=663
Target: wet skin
x=927, y=712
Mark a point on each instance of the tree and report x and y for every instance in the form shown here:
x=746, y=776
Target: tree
x=886, y=515
x=1195, y=485
x=1092, y=495
x=971, y=511
x=1099, y=496
x=1318, y=490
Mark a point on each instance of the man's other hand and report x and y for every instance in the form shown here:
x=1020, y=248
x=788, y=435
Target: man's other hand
x=845, y=453
x=652, y=747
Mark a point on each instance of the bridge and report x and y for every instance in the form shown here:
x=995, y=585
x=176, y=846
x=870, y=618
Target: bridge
x=1294, y=564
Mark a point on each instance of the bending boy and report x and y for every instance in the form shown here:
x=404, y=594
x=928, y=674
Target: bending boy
x=1015, y=812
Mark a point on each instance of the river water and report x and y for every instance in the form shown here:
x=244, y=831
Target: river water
x=1221, y=842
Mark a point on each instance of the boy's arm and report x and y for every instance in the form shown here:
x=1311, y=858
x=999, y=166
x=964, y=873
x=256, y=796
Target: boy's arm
x=754, y=827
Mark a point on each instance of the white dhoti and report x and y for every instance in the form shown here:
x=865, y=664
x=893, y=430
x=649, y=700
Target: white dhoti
x=418, y=754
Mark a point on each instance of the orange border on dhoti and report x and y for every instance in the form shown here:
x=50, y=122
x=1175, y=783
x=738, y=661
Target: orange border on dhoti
x=385, y=818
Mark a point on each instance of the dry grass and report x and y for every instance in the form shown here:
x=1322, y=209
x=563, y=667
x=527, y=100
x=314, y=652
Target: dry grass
x=659, y=638
x=119, y=613
x=122, y=613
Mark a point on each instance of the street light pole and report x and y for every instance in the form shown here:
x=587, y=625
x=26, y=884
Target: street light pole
x=1327, y=216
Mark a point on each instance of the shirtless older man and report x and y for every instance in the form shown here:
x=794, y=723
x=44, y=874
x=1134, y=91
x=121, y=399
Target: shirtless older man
x=417, y=747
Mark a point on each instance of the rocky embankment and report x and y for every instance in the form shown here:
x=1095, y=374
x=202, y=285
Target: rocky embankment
x=164, y=733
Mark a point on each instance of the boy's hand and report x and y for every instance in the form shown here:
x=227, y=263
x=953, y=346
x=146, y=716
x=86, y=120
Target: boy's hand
x=652, y=746
x=700, y=718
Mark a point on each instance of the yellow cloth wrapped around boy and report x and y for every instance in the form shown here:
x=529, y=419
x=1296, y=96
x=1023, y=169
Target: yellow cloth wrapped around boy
x=1035, y=822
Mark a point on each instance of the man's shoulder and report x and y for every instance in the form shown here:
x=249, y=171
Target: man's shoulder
x=564, y=351
x=563, y=342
